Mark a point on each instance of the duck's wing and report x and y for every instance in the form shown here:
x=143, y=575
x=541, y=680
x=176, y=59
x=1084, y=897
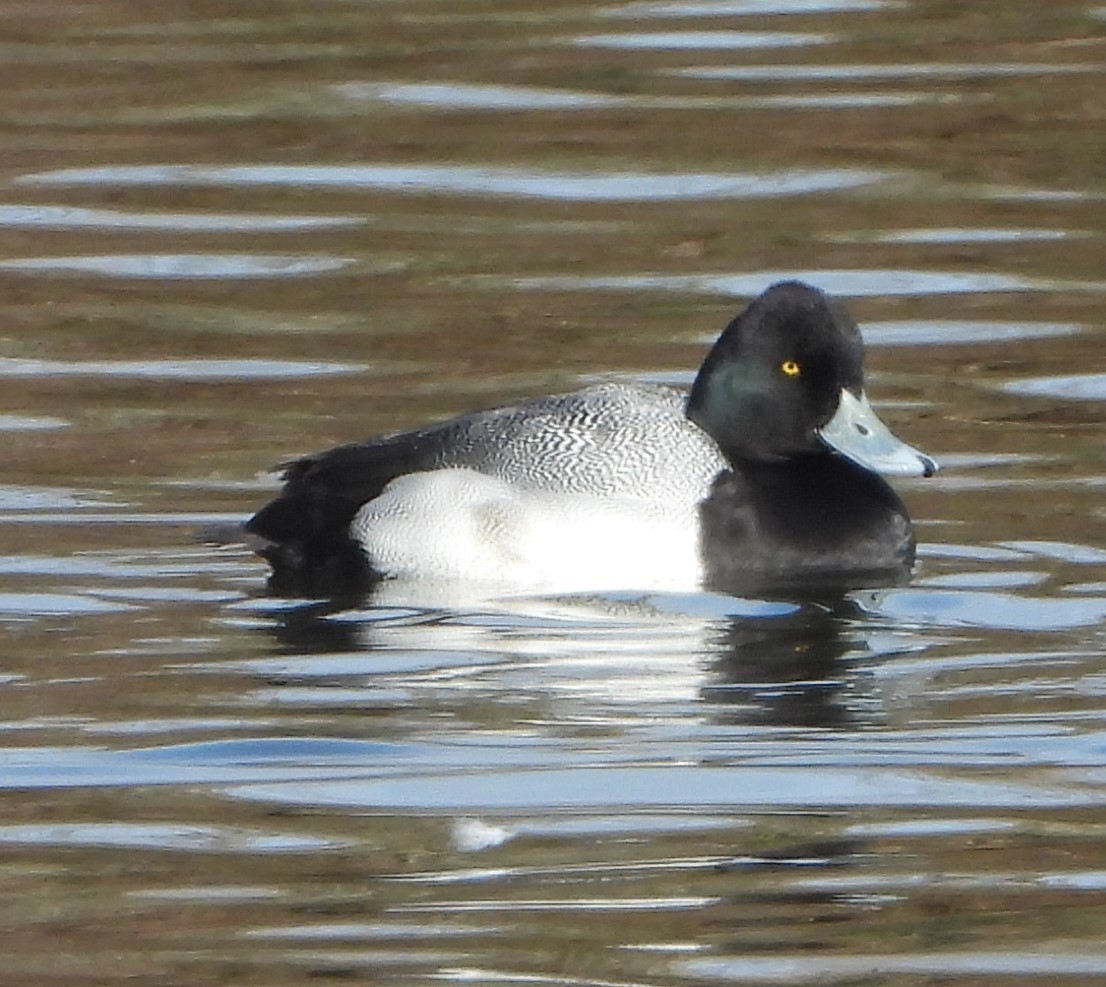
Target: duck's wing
x=323, y=491
x=304, y=531
x=585, y=442
x=612, y=439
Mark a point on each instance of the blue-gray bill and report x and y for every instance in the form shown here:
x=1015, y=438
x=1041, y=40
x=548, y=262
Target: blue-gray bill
x=856, y=432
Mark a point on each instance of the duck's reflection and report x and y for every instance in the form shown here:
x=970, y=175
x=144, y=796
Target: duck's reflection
x=793, y=673
x=788, y=662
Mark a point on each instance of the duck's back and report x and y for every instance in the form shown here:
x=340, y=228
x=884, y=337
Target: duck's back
x=616, y=439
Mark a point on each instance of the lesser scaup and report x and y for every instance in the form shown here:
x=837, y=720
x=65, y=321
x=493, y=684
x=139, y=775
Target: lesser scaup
x=763, y=476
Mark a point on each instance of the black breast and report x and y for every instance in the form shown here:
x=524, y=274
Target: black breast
x=815, y=520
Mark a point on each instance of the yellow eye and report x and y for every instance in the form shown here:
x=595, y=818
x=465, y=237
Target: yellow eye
x=790, y=368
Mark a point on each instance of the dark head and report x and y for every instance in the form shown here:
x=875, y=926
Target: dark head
x=786, y=379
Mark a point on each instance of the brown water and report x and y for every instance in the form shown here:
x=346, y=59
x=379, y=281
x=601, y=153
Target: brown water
x=236, y=233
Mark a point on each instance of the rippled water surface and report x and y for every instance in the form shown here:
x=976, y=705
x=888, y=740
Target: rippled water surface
x=233, y=234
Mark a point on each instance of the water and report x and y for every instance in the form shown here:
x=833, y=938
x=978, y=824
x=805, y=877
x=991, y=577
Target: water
x=238, y=236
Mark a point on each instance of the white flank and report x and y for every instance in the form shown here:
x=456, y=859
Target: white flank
x=463, y=525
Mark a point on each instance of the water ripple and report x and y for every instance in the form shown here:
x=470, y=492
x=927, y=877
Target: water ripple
x=951, y=235
x=74, y=218
x=702, y=40
x=593, y=186
x=703, y=786
x=850, y=283
x=867, y=73
x=173, y=266
x=198, y=370
x=822, y=968
x=161, y=836
x=469, y=97
x=23, y=605
x=1076, y=387
x=968, y=608
x=736, y=8
x=26, y=423
x=463, y=96
x=946, y=332
x=18, y=498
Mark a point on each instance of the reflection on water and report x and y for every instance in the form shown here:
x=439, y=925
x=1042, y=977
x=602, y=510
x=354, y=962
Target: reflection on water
x=558, y=185
x=175, y=369
x=181, y=265
x=461, y=97
x=21, y=423
x=730, y=8
x=458, y=96
x=898, y=784
x=704, y=40
x=193, y=839
x=54, y=605
x=883, y=282
x=66, y=217
x=844, y=100
x=48, y=498
x=941, y=236
x=1078, y=387
x=945, y=332
x=799, y=969
x=1056, y=195
x=868, y=73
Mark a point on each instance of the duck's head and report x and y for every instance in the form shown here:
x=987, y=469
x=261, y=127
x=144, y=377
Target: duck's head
x=786, y=379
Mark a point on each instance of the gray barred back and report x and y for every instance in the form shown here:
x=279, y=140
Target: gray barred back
x=621, y=439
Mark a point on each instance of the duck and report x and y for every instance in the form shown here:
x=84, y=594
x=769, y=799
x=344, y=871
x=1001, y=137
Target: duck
x=767, y=474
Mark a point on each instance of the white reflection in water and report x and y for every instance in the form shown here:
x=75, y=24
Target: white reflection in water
x=174, y=369
x=121, y=517
x=968, y=608
x=16, y=498
x=620, y=186
x=1094, y=880
x=72, y=218
x=1060, y=551
x=1018, y=194
x=207, y=893
x=591, y=787
x=921, y=828
x=20, y=423
x=960, y=461
x=55, y=605
x=462, y=96
x=702, y=40
x=945, y=332
x=823, y=968
x=843, y=100
x=959, y=235
x=984, y=580
x=160, y=54
x=161, y=836
x=1077, y=387
x=737, y=8
x=50, y=767
x=181, y=265
x=615, y=649
x=362, y=930
x=852, y=283
x=866, y=73
x=475, y=835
